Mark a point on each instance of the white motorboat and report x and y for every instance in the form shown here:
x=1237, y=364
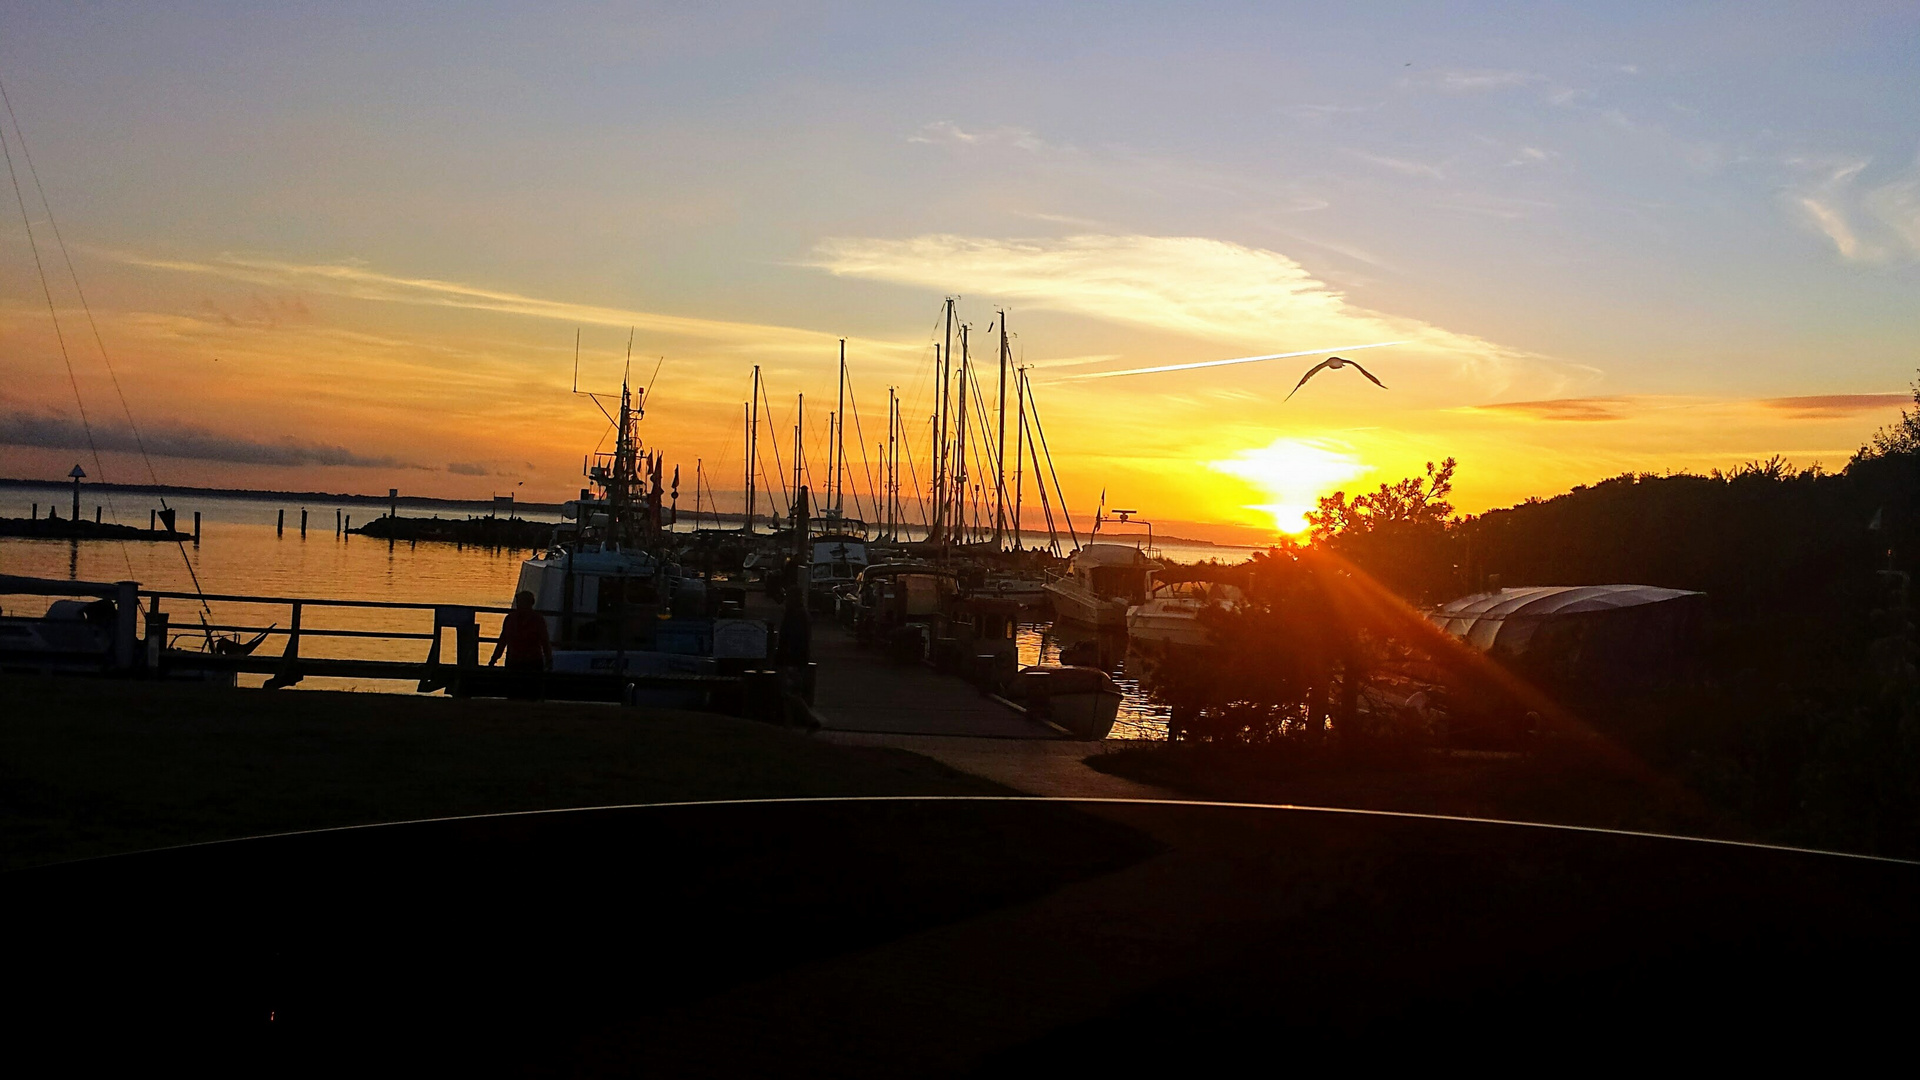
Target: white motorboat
x=1174, y=614
x=1101, y=583
x=1084, y=701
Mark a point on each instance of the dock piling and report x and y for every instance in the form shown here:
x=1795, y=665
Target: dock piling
x=151, y=513
x=196, y=528
x=96, y=513
x=303, y=523
x=280, y=524
x=336, y=523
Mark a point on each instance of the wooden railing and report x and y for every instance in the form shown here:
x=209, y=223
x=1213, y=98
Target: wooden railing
x=156, y=652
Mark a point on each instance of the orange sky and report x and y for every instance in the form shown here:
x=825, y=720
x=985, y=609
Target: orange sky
x=350, y=255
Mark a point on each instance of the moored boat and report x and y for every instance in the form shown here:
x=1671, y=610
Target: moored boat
x=612, y=603
x=1101, y=583
x=1174, y=615
x=1084, y=701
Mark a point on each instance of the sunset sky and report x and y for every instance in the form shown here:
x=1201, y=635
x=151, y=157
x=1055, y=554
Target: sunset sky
x=348, y=248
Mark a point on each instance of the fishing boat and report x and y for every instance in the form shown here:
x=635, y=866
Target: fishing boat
x=1102, y=581
x=613, y=604
x=837, y=548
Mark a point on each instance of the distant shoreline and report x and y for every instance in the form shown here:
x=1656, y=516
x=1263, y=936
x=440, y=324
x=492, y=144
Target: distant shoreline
x=263, y=495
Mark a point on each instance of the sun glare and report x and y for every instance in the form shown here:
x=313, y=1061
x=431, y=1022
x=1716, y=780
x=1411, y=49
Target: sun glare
x=1293, y=474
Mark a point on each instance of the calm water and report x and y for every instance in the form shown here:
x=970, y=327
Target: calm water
x=240, y=552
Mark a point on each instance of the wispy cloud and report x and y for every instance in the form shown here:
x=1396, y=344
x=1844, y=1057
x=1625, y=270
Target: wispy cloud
x=363, y=283
x=1190, y=286
x=1590, y=409
x=56, y=432
x=1402, y=166
x=1473, y=80
x=1834, y=406
x=946, y=131
x=1865, y=221
x=1531, y=155
x=1561, y=409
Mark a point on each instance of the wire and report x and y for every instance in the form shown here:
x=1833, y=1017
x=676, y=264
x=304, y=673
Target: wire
x=139, y=442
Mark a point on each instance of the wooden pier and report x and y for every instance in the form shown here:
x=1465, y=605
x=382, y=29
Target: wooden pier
x=855, y=689
x=154, y=653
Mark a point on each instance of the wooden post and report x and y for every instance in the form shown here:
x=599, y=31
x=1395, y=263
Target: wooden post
x=349, y=527
x=466, y=649
x=280, y=523
x=156, y=637
x=303, y=523
x=289, y=672
x=150, y=518
x=36, y=511
x=126, y=623
x=196, y=528
x=96, y=513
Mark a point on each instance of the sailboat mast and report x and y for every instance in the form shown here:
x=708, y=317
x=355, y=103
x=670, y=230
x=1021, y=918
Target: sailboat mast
x=1019, y=448
x=1000, y=448
x=960, y=447
x=893, y=464
x=753, y=444
x=840, y=438
x=799, y=443
x=943, y=362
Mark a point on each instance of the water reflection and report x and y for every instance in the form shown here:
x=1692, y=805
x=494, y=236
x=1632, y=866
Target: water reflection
x=1054, y=643
x=244, y=551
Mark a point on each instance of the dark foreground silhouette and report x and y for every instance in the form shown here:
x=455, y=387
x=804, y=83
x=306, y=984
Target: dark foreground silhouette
x=899, y=938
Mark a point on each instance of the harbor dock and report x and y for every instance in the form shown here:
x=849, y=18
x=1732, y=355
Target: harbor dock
x=861, y=690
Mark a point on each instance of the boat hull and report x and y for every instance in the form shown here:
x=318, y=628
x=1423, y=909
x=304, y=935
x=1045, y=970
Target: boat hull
x=1074, y=604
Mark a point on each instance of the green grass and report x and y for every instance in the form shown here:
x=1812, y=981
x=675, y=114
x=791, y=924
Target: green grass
x=92, y=767
x=1557, y=784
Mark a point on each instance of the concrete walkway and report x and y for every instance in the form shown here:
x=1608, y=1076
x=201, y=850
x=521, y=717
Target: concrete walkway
x=1055, y=768
x=858, y=689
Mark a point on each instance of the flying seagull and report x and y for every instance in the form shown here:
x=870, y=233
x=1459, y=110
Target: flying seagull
x=1334, y=363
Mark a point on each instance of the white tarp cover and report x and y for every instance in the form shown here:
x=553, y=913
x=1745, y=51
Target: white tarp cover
x=1507, y=620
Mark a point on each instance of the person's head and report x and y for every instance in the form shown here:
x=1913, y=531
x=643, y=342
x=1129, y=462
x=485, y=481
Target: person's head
x=523, y=600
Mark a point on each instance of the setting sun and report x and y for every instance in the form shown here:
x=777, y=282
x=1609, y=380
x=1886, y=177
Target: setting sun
x=1292, y=474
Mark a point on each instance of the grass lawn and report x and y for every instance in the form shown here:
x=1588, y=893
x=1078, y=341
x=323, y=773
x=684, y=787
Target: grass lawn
x=93, y=767
x=1575, y=783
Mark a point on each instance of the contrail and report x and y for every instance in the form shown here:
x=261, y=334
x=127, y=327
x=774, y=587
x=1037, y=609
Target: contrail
x=1224, y=363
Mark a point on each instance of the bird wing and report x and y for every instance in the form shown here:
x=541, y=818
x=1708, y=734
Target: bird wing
x=1369, y=375
x=1311, y=372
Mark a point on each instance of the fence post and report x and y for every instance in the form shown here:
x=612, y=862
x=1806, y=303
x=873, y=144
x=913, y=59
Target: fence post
x=466, y=639
x=290, y=660
x=156, y=638
x=126, y=623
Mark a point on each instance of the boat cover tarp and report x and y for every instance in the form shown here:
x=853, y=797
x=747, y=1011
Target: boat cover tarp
x=1581, y=631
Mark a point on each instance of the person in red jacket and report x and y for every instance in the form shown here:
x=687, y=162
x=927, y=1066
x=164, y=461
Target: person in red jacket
x=523, y=637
